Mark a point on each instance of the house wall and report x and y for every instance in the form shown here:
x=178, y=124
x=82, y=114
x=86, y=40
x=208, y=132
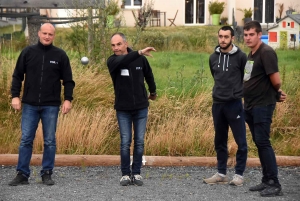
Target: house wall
x=170, y=7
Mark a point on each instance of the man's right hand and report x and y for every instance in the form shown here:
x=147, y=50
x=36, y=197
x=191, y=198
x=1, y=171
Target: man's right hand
x=146, y=51
x=16, y=103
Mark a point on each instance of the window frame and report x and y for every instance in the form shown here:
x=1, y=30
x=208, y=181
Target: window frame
x=132, y=4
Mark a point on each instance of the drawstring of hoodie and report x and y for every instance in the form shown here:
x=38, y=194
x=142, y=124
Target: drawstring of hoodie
x=223, y=61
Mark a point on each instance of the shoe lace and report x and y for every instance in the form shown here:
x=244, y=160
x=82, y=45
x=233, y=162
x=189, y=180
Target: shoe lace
x=216, y=175
x=237, y=177
x=138, y=177
x=126, y=177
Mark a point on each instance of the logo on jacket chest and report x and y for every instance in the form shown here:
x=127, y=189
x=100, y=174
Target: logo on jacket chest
x=138, y=68
x=53, y=62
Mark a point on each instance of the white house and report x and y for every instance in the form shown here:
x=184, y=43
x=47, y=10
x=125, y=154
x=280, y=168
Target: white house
x=195, y=12
x=286, y=33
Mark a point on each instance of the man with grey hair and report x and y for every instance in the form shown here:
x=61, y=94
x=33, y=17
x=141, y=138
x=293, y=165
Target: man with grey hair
x=128, y=70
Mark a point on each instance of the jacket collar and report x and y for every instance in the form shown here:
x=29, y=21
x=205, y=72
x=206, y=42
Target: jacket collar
x=44, y=47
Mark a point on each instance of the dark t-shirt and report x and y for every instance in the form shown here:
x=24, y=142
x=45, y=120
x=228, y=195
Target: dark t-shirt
x=258, y=89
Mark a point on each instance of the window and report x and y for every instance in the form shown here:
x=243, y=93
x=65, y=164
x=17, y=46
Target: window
x=264, y=11
x=272, y=36
x=293, y=37
x=133, y=2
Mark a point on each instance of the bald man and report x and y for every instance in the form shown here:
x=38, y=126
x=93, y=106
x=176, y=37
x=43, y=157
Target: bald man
x=42, y=67
x=129, y=69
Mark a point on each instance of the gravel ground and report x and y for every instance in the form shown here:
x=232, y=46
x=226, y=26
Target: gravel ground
x=160, y=183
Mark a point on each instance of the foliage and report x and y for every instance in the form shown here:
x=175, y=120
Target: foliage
x=143, y=15
x=112, y=8
x=280, y=9
x=91, y=36
x=224, y=19
x=216, y=7
x=247, y=12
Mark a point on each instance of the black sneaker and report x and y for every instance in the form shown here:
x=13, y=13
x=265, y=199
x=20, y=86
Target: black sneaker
x=137, y=180
x=46, y=178
x=19, y=179
x=273, y=189
x=258, y=187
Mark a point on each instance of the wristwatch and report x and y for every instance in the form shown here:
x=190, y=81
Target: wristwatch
x=153, y=94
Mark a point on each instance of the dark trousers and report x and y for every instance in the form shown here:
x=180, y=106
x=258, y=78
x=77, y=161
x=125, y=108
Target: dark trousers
x=225, y=115
x=259, y=120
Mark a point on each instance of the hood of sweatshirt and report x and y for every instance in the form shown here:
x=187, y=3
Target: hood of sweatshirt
x=226, y=56
x=227, y=70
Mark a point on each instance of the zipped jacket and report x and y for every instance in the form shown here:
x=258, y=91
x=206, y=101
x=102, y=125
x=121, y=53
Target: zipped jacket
x=43, y=68
x=129, y=73
x=227, y=70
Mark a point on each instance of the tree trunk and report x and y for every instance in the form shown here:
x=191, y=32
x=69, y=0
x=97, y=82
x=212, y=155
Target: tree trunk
x=33, y=27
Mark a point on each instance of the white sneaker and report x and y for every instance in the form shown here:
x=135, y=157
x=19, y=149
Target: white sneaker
x=237, y=180
x=216, y=179
x=125, y=180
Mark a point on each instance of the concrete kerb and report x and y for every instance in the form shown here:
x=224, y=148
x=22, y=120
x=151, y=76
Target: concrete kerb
x=114, y=160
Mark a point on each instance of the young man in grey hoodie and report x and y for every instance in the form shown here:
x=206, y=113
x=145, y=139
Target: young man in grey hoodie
x=227, y=66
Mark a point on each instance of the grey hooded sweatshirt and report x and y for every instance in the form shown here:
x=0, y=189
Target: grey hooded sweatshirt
x=227, y=70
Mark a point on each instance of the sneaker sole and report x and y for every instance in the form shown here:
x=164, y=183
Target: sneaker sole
x=233, y=184
x=216, y=183
x=259, y=190
x=273, y=195
x=137, y=184
x=21, y=183
x=48, y=184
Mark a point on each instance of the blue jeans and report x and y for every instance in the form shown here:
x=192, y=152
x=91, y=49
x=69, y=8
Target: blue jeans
x=137, y=118
x=31, y=115
x=225, y=115
x=259, y=120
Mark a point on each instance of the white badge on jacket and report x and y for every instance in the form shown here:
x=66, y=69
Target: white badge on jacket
x=124, y=72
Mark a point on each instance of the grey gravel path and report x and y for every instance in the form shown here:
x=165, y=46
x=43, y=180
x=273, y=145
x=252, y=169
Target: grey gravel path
x=160, y=183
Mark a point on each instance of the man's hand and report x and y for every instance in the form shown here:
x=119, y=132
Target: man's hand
x=66, y=107
x=16, y=103
x=146, y=51
x=152, y=97
x=282, y=96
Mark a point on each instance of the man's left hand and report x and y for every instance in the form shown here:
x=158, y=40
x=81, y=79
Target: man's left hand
x=66, y=107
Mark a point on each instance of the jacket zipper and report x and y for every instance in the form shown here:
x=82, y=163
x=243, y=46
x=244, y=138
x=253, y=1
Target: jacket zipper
x=132, y=86
x=40, y=94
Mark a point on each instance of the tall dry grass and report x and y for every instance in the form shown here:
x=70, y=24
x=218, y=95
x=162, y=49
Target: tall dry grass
x=179, y=124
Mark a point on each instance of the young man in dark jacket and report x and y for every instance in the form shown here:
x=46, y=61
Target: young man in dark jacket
x=227, y=65
x=128, y=70
x=43, y=66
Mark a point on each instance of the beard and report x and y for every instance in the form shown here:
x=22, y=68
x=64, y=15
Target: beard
x=227, y=46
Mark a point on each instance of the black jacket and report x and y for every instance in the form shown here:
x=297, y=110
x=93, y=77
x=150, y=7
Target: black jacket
x=128, y=73
x=43, y=68
x=227, y=70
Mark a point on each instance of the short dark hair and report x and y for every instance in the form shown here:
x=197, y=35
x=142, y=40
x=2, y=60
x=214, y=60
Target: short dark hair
x=120, y=34
x=253, y=25
x=227, y=28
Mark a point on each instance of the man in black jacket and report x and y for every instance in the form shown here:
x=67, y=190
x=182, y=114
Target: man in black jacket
x=43, y=66
x=227, y=65
x=128, y=70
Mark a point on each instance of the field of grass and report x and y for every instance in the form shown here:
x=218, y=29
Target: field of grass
x=180, y=121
